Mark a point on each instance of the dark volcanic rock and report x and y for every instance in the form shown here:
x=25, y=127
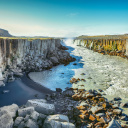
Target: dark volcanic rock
x=58, y=90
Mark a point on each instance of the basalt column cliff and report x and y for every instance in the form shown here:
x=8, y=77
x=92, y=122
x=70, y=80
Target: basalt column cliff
x=31, y=55
x=109, y=44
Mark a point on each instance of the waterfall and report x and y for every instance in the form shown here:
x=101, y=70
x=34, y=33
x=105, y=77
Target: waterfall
x=91, y=45
x=69, y=42
x=85, y=45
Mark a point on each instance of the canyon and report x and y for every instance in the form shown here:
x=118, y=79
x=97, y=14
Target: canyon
x=94, y=86
x=17, y=55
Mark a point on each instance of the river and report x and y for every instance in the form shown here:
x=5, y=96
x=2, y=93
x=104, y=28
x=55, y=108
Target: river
x=109, y=73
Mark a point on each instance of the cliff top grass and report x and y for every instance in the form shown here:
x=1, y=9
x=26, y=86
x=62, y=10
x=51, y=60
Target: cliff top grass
x=26, y=38
x=125, y=36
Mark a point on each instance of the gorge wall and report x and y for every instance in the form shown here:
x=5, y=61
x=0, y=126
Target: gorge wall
x=111, y=45
x=32, y=55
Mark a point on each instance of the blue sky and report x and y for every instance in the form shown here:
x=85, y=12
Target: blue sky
x=64, y=17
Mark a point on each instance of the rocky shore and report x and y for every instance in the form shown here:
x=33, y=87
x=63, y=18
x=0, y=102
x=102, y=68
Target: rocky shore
x=74, y=107
x=66, y=109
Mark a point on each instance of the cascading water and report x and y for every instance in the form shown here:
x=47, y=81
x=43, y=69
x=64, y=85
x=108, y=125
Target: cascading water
x=91, y=45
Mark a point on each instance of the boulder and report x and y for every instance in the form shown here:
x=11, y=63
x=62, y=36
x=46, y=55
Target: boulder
x=42, y=116
x=11, y=79
x=21, y=125
x=125, y=105
x=67, y=125
x=117, y=98
x=106, y=105
x=41, y=106
x=84, y=104
x=11, y=109
x=34, y=115
x=58, y=90
x=68, y=93
x=18, y=74
x=54, y=60
x=6, y=121
x=31, y=124
x=115, y=106
x=18, y=121
x=57, y=121
x=25, y=111
x=90, y=95
x=114, y=124
x=96, y=109
x=82, y=74
x=117, y=111
x=26, y=118
x=99, y=115
x=2, y=84
x=5, y=91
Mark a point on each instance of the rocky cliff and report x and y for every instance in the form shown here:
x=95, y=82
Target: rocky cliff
x=31, y=55
x=112, y=45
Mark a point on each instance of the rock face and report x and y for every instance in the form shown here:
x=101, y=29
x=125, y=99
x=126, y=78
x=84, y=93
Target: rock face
x=4, y=33
x=41, y=106
x=57, y=121
x=30, y=55
x=111, y=45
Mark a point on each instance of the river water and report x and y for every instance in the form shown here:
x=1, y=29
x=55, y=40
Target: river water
x=59, y=76
x=109, y=73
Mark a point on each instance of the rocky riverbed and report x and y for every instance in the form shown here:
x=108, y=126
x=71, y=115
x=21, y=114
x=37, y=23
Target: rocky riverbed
x=87, y=103
x=108, y=73
x=66, y=109
x=103, y=72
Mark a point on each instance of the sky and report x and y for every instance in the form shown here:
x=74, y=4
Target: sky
x=64, y=18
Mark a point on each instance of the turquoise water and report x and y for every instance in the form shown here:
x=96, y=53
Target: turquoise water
x=59, y=76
